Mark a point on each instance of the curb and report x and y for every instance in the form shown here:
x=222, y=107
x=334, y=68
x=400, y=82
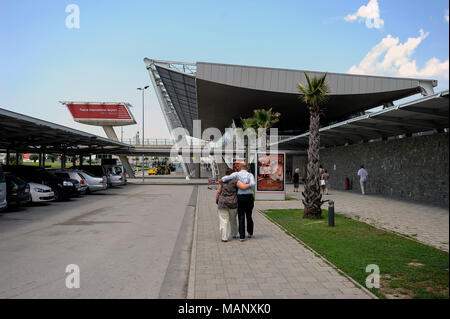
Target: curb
x=193, y=261
x=175, y=282
x=357, y=284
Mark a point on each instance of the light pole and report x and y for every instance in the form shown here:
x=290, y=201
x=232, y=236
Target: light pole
x=143, y=89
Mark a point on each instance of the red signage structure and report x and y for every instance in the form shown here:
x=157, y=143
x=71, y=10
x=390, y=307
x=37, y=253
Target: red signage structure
x=113, y=114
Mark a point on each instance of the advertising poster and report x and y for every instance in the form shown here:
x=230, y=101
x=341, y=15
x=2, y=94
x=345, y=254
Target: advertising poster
x=270, y=172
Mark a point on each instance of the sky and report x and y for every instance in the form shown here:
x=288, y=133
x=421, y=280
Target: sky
x=43, y=61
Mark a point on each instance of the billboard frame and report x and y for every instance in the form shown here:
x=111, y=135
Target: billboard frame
x=270, y=194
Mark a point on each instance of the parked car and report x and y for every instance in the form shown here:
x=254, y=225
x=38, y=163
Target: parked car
x=41, y=193
x=116, y=174
x=96, y=170
x=81, y=186
x=120, y=170
x=153, y=171
x=3, y=202
x=114, y=179
x=94, y=183
x=62, y=188
x=17, y=190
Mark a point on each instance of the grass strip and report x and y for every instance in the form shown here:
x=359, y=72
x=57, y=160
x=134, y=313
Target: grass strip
x=408, y=269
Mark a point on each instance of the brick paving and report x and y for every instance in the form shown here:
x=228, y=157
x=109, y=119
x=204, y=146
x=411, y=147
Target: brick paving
x=270, y=265
x=425, y=223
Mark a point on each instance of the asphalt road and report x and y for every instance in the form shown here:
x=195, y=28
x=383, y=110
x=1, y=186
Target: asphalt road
x=122, y=240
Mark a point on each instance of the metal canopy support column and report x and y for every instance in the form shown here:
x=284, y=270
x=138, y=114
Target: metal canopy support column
x=109, y=131
x=170, y=115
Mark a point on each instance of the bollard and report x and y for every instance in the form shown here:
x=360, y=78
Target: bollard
x=331, y=213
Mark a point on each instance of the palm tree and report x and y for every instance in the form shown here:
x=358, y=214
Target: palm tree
x=314, y=94
x=261, y=119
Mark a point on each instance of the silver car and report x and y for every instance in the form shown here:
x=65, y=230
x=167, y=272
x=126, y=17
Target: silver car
x=115, y=179
x=120, y=170
x=41, y=193
x=94, y=183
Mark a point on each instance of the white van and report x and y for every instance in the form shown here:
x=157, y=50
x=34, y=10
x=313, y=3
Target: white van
x=3, y=203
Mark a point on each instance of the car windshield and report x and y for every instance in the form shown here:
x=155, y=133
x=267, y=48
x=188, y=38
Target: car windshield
x=95, y=171
x=63, y=175
x=89, y=174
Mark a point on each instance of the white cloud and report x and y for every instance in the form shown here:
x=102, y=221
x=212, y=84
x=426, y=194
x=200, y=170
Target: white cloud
x=390, y=57
x=370, y=13
x=446, y=15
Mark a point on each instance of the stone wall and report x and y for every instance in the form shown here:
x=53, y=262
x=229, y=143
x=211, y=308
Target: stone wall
x=413, y=168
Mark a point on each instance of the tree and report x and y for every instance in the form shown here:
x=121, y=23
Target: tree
x=261, y=119
x=52, y=157
x=313, y=94
x=34, y=157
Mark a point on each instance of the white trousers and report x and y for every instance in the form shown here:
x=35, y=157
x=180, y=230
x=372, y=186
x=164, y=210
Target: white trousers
x=363, y=184
x=227, y=223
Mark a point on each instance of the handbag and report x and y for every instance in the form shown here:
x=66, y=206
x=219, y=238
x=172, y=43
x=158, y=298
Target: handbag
x=322, y=182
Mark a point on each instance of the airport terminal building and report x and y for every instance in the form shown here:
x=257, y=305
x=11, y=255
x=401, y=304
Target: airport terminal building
x=404, y=146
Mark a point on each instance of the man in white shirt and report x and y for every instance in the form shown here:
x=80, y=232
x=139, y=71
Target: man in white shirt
x=245, y=199
x=363, y=176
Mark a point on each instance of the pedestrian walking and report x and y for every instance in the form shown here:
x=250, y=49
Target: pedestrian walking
x=296, y=180
x=245, y=199
x=227, y=203
x=324, y=181
x=363, y=176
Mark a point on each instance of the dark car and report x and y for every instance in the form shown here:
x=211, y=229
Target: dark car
x=3, y=202
x=80, y=183
x=17, y=190
x=63, y=188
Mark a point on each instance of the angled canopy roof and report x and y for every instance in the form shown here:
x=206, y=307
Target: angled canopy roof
x=217, y=93
x=425, y=114
x=24, y=133
x=182, y=92
x=226, y=92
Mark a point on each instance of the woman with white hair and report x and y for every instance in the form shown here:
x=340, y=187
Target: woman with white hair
x=296, y=179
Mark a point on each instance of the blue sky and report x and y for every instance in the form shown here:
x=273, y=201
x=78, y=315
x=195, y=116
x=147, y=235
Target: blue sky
x=43, y=62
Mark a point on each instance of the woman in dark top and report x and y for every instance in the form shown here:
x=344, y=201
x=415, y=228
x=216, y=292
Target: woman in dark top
x=226, y=200
x=296, y=179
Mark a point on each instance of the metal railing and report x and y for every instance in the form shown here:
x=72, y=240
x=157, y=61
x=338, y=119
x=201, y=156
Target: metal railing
x=170, y=142
x=149, y=141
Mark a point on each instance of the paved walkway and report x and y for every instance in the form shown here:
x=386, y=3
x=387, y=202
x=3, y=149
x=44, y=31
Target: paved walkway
x=425, y=223
x=270, y=265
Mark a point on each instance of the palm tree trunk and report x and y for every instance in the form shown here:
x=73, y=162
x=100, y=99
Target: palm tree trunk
x=312, y=195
